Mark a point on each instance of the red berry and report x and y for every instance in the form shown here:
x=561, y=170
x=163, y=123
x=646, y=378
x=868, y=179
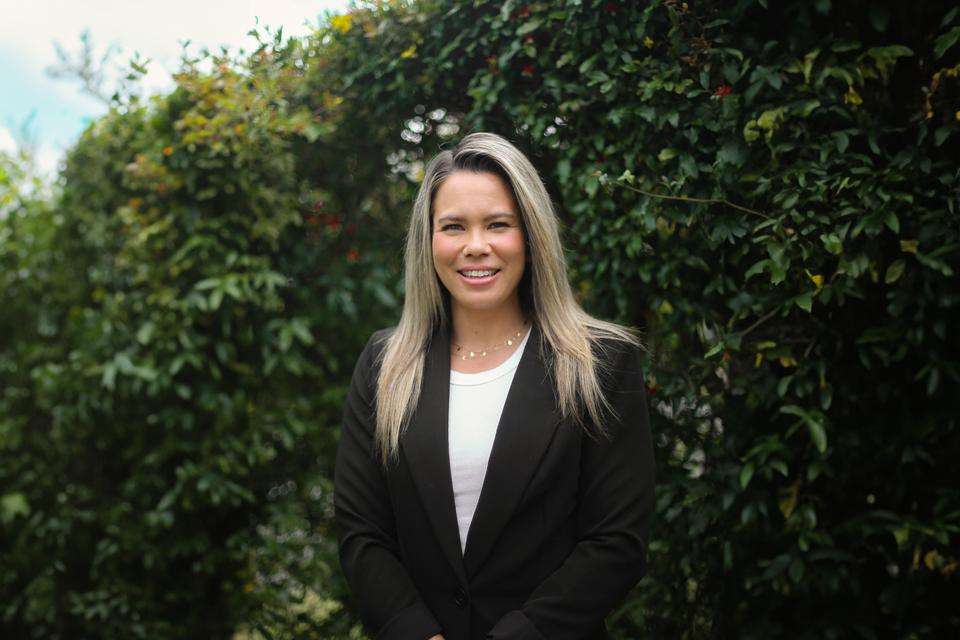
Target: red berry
x=723, y=91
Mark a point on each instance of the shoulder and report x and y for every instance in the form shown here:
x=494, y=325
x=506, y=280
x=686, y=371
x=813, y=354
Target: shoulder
x=378, y=338
x=619, y=361
x=372, y=352
x=366, y=368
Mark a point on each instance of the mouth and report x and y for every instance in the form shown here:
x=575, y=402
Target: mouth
x=478, y=276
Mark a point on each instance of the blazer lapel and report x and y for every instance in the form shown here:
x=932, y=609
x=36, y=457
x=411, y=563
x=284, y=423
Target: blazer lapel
x=527, y=424
x=526, y=427
x=425, y=445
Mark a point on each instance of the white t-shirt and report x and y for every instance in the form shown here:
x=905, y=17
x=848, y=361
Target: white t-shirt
x=476, y=402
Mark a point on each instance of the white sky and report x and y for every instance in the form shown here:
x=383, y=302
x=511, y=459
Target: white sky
x=28, y=30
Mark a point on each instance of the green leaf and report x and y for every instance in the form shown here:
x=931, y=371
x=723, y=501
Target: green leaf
x=945, y=42
x=587, y=64
x=746, y=472
x=733, y=153
x=894, y=271
x=527, y=27
x=941, y=134
x=302, y=331
x=216, y=297
x=832, y=243
x=783, y=385
x=667, y=154
x=814, y=424
x=796, y=570
x=818, y=434
x=892, y=221
x=145, y=332
x=808, y=107
x=13, y=505
x=841, y=140
x=758, y=267
x=714, y=350
x=109, y=375
x=208, y=283
x=950, y=15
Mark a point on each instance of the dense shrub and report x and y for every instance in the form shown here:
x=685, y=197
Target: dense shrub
x=177, y=369
x=767, y=189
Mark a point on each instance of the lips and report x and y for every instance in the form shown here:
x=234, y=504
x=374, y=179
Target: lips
x=477, y=273
x=478, y=277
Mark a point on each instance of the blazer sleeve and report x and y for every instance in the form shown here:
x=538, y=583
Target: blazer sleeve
x=384, y=595
x=614, y=509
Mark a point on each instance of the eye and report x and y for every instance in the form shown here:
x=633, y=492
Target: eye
x=504, y=224
x=449, y=226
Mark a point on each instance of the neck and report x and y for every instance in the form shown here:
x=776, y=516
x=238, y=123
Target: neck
x=484, y=327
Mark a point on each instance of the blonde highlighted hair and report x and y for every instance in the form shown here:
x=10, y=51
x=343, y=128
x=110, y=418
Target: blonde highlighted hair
x=545, y=296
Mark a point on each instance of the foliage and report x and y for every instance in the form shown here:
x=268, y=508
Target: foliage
x=178, y=370
x=767, y=189
x=778, y=209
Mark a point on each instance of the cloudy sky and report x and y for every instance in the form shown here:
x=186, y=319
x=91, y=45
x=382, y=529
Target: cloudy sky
x=54, y=112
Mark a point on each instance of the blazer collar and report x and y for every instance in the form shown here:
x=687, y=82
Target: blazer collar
x=527, y=424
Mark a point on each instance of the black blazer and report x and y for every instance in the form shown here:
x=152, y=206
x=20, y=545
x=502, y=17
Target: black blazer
x=560, y=532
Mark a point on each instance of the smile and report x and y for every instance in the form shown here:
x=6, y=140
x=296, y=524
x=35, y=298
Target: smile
x=478, y=276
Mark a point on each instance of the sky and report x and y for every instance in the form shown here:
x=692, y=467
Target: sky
x=53, y=112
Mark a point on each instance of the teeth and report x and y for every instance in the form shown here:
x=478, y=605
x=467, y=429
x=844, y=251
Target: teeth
x=478, y=274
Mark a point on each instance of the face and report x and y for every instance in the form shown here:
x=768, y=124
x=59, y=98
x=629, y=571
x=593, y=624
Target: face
x=478, y=242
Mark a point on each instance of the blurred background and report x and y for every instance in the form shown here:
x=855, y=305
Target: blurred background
x=202, y=208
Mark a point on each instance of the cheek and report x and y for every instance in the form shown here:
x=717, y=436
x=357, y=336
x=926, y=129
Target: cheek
x=443, y=249
x=513, y=248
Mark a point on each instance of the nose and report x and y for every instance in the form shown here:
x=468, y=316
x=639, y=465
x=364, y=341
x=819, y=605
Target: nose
x=476, y=243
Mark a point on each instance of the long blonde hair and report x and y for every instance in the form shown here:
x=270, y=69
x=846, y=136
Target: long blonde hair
x=545, y=295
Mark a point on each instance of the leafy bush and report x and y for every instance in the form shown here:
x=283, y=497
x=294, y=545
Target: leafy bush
x=767, y=189
x=166, y=468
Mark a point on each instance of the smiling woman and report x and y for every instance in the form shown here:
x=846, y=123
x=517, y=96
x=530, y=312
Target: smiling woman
x=494, y=477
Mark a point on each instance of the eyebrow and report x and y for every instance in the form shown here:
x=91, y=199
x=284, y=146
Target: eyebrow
x=452, y=217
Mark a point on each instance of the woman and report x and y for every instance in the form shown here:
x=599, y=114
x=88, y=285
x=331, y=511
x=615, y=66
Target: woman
x=494, y=477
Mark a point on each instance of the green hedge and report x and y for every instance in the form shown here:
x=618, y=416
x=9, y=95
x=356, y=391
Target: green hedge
x=766, y=189
x=769, y=191
x=178, y=363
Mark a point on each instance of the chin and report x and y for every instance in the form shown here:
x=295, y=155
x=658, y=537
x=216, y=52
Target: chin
x=479, y=305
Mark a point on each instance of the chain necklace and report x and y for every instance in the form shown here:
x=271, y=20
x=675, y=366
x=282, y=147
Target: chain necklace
x=466, y=354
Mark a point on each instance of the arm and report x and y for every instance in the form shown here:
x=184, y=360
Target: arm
x=386, y=599
x=615, y=504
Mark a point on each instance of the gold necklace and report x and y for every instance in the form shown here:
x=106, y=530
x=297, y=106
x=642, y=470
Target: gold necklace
x=466, y=354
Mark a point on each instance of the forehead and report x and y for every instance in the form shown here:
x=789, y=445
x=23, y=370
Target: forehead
x=466, y=192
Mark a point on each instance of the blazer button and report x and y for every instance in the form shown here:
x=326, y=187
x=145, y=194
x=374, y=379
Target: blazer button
x=460, y=598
